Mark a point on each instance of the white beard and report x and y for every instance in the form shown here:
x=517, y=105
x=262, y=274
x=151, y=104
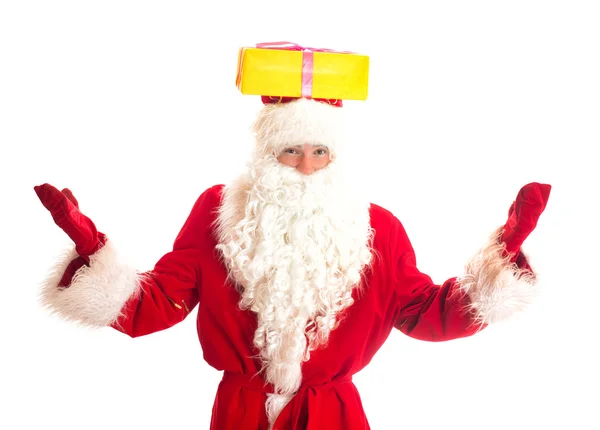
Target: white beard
x=296, y=246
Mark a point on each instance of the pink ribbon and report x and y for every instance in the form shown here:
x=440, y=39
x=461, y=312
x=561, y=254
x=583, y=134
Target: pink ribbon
x=307, y=60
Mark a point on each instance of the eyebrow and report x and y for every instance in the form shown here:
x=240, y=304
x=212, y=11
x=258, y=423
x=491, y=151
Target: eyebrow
x=314, y=146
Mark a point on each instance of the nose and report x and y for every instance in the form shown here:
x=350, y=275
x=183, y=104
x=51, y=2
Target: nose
x=305, y=166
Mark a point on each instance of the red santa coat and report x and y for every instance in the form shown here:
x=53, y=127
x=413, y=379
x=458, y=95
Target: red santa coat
x=393, y=294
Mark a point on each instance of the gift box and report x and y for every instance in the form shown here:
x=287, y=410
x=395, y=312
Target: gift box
x=284, y=69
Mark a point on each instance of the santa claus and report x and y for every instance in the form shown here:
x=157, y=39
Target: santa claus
x=298, y=280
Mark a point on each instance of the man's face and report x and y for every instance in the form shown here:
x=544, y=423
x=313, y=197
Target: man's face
x=306, y=158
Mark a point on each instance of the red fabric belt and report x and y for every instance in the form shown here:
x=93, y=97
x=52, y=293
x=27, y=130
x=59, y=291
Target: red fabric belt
x=257, y=383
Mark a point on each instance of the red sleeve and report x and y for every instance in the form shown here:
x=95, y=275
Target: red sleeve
x=169, y=292
x=427, y=311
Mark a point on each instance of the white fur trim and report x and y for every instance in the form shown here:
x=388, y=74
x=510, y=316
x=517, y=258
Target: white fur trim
x=298, y=122
x=497, y=288
x=97, y=292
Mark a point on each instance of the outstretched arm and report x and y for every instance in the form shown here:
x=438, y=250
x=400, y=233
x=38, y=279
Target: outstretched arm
x=93, y=287
x=498, y=281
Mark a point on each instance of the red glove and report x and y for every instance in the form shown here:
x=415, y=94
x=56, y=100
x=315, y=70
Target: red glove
x=66, y=214
x=523, y=216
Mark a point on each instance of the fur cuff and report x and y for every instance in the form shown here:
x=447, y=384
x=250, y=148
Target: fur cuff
x=496, y=287
x=97, y=293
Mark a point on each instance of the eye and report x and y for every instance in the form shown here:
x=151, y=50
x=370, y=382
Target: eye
x=290, y=151
x=321, y=152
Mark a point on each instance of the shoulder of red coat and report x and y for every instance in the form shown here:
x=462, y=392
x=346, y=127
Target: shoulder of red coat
x=215, y=193
x=385, y=224
x=208, y=203
x=381, y=217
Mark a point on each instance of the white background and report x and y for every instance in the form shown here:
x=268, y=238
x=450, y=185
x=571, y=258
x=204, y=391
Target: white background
x=132, y=105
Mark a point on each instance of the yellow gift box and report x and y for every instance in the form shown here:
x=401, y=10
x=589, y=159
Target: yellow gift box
x=284, y=69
